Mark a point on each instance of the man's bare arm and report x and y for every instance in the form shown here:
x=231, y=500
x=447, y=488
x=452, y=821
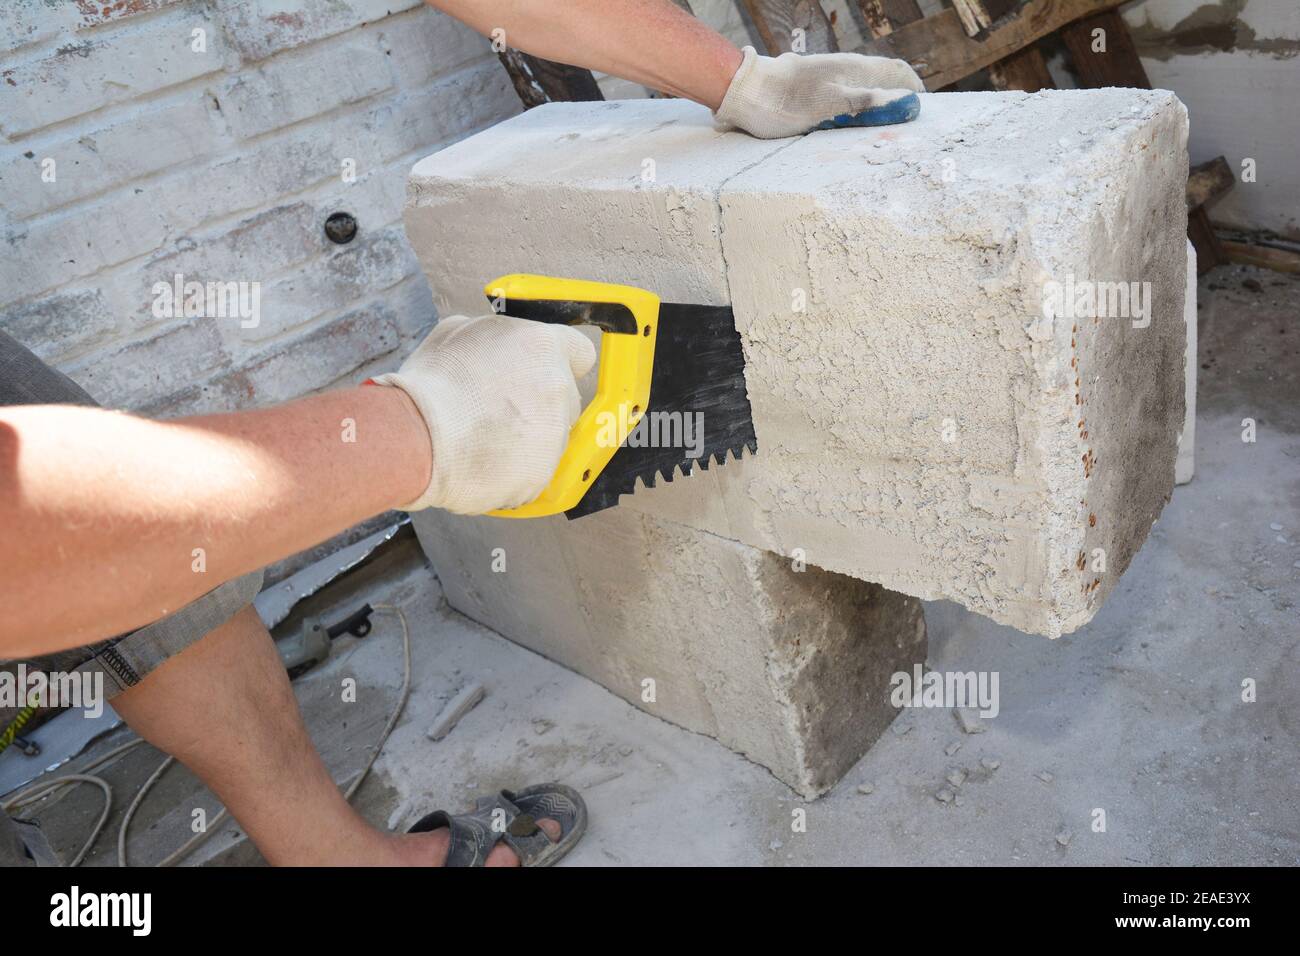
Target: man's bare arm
x=109, y=521
x=659, y=45
x=651, y=42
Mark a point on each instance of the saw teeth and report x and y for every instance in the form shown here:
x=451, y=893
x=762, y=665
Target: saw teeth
x=688, y=468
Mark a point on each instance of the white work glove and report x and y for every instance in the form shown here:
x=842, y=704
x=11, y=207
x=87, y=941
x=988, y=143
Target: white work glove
x=788, y=95
x=499, y=396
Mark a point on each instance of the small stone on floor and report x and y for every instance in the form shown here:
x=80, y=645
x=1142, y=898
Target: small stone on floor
x=970, y=720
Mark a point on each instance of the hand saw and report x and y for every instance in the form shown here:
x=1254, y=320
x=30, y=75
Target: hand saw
x=670, y=392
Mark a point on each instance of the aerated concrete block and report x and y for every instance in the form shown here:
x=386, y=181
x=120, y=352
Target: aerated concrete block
x=1185, y=467
x=939, y=407
x=789, y=667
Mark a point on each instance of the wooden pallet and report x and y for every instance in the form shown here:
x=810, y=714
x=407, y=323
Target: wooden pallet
x=1002, y=37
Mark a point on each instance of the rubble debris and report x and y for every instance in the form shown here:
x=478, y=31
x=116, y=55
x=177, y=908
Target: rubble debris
x=466, y=699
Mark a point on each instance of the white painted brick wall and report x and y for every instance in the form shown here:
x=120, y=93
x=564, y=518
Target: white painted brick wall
x=221, y=161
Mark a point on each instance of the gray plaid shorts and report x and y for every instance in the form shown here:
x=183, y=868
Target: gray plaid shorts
x=124, y=660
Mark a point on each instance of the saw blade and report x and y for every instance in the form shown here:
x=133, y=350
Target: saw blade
x=698, y=411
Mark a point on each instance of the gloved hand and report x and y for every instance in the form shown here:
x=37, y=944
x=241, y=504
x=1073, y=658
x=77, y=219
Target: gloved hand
x=499, y=396
x=789, y=95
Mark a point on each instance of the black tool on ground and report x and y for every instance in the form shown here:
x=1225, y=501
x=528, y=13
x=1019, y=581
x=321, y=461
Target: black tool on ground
x=672, y=376
x=309, y=647
x=357, y=623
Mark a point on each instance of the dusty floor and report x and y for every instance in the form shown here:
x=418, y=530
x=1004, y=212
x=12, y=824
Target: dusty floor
x=1140, y=714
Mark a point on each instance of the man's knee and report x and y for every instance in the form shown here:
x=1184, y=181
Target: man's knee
x=128, y=660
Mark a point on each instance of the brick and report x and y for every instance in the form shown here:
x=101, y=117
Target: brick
x=258, y=30
x=357, y=271
x=375, y=198
x=367, y=350
x=152, y=181
x=324, y=355
x=88, y=73
x=329, y=354
x=412, y=299
x=256, y=248
x=303, y=84
x=425, y=45
x=251, y=179
x=46, y=253
x=253, y=250
x=226, y=391
x=311, y=153
x=96, y=12
x=97, y=160
x=449, y=109
x=60, y=324
x=131, y=375
x=888, y=288
x=23, y=22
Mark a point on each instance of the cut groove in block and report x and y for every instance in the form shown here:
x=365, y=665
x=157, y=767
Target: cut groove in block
x=924, y=421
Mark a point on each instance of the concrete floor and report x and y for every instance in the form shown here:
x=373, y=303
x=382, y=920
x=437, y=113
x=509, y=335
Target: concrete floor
x=1139, y=714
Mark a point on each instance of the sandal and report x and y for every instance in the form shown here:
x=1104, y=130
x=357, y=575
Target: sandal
x=515, y=814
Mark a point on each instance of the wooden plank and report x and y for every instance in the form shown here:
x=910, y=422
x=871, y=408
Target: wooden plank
x=1116, y=63
x=1102, y=53
x=778, y=20
x=1207, y=181
x=521, y=78
x=539, y=81
x=1268, y=257
x=941, y=52
x=883, y=17
x=1025, y=71
x=980, y=15
x=1209, y=248
x=973, y=16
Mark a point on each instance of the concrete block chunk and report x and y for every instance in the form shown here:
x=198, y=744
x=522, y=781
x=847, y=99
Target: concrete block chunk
x=790, y=668
x=1185, y=467
x=964, y=336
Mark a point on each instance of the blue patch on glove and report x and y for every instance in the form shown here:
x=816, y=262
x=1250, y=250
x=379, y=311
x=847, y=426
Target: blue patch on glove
x=902, y=110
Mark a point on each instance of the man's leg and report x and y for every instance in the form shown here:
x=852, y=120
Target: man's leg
x=206, y=685
x=224, y=708
x=121, y=661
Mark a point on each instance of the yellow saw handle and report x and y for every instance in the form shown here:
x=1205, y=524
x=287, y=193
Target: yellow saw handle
x=629, y=318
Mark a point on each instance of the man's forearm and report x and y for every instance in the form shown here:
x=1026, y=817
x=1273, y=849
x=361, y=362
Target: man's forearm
x=109, y=521
x=652, y=42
